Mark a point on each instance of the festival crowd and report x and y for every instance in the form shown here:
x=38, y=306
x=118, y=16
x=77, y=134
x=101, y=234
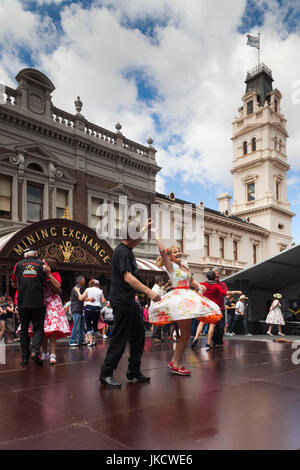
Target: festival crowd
x=178, y=309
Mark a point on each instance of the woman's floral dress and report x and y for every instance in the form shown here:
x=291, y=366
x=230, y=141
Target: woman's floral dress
x=182, y=303
x=275, y=316
x=56, y=321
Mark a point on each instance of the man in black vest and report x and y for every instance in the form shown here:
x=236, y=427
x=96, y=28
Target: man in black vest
x=29, y=278
x=128, y=323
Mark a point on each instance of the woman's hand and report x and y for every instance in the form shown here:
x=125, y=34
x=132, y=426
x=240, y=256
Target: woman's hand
x=47, y=269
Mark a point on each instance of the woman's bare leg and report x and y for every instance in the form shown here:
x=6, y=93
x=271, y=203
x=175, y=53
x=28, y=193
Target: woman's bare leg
x=52, y=344
x=210, y=334
x=185, y=330
x=199, y=330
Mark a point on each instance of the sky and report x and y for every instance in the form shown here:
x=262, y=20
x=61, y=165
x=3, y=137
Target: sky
x=170, y=69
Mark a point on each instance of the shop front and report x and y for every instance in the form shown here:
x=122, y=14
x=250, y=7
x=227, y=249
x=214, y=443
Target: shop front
x=75, y=247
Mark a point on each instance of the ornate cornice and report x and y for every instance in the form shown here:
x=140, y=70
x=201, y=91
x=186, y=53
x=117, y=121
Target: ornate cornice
x=71, y=137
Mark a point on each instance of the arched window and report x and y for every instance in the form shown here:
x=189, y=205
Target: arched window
x=275, y=143
x=245, y=149
x=35, y=167
x=253, y=144
x=280, y=146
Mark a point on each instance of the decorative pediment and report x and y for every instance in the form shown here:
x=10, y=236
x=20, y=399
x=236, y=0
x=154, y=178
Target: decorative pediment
x=120, y=189
x=35, y=77
x=36, y=150
x=247, y=129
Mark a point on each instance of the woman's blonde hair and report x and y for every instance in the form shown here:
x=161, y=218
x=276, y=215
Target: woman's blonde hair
x=94, y=283
x=159, y=262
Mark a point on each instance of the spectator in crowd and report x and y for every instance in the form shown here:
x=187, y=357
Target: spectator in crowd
x=108, y=317
x=56, y=324
x=93, y=300
x=77, y=336
x=240, y=316
x=146, y=318
x=29, y=277
x=10, y=321
x=67, y=309
x=275, y=316
x=2, y=319
x=159, y=290
x=229, y=312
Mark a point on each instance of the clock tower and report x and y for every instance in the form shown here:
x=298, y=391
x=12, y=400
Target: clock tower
x=260, y=161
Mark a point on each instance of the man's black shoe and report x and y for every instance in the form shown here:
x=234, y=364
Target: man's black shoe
x=138, y=376
x=37, y=359
x=109, y=381
x=24, y=362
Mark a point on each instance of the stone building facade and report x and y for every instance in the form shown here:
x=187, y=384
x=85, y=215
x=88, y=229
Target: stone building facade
x=51, y=160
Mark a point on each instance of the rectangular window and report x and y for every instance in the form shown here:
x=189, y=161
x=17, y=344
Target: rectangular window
x=277, y=191
x=276, y=106
x=179, y=237
x=235, y=250
x=221, y=248
x=251, y=192
x=34, y=203
x=95, y=219
x=5, y=196
x=206, y=245
x=254, y=254
x=250, y=107
x=61, y=202
x=118, y=218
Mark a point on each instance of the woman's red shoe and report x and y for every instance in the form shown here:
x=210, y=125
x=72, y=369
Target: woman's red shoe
x=180, y=371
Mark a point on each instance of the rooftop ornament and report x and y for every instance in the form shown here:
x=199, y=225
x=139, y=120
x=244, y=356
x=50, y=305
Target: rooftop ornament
x=78, y=105
x=118, y=127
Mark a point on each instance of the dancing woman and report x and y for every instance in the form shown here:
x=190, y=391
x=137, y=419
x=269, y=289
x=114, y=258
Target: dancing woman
x=56, y=324
x=212, y=291
x=181, y=304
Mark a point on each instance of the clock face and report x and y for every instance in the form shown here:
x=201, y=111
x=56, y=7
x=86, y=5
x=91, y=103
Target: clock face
x=36, y=103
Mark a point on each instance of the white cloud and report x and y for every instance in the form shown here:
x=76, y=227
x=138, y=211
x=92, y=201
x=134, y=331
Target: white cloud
x=48, y=2
x=196, y=60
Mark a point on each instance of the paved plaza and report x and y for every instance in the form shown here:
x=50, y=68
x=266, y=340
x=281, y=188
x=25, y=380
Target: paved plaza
x=244, y=396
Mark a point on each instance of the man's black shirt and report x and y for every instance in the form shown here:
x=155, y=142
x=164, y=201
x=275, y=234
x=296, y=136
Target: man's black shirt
x=30, y=278
x=123, y=260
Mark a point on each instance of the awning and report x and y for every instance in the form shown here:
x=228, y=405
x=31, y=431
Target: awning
x=5, y=238
x=273, y=274
x=148, y=265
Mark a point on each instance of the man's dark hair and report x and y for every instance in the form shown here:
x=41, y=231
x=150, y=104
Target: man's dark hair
x=131, y=230
x=211, y=275
x=78, y=278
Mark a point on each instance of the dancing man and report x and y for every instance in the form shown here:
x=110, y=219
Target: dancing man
x=128, y=324
x=29, y=277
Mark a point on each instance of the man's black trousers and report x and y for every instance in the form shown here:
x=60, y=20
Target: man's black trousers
x=219, y=331
x=128, y=327
x=36, y=316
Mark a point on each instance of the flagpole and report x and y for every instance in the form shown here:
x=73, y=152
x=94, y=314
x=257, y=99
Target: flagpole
x=258, y=49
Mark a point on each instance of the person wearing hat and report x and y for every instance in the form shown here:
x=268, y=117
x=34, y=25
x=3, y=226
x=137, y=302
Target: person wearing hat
x=29, y=277
x=240, y=316
x=275, y=316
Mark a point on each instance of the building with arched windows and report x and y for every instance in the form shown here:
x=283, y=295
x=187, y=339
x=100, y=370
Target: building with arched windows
x=57, y=168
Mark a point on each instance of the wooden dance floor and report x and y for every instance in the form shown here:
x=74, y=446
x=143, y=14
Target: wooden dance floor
x=246, y=396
